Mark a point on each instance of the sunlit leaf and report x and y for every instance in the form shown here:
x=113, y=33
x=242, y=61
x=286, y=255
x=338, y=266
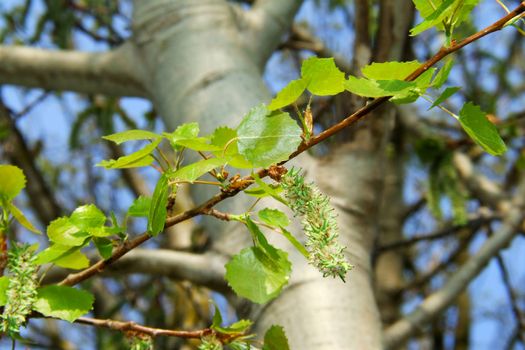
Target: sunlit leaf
x=66, y=303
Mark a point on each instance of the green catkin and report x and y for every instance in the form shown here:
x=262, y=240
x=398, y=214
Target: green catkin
x=22, y=288
x=210, y=343
x=319, y=224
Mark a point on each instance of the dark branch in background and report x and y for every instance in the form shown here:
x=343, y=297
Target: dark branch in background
x=302, y=39
x=520, y=320
x=16, y=149
x=243, y=183
x=472, y=224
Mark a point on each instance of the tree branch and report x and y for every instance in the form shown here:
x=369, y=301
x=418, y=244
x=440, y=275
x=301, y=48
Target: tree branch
x=433, y=305
x=137, y=328
x=206, y=270
x=114, y=73
x=243, y=183
x=268, y=21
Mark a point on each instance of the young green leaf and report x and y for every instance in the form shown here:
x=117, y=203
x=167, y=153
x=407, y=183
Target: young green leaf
x=136, y=159
x=289, y=94
x=444, y=95
x=480, y=129
x=275, y=339
x=157, y=211
x=55, y=252
x=298, y=245
x=265, y=189
x=258, y=275
x=13, y=181
x=131, y=135
x=442, y=75
x=195, y=170
x=187, y=136
x=226, y=139
x=75, y=260
x=104, y=247
x=87, y=216
x=266, y=139
x=20, y=217
x=379, y=88
x=240, y=326
x=390, y=70
x=66, y=303
x=63, y=231
x=443, y=11
x=273, y=217
x=323, y=76
x=140, y=207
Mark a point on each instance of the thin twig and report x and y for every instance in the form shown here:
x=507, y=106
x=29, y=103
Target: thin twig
x=505, y=276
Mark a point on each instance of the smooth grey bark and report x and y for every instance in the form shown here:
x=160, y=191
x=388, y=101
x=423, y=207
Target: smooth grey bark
x=114, y=73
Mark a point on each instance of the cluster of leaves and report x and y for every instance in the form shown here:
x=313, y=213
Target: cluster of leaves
x=20, y=293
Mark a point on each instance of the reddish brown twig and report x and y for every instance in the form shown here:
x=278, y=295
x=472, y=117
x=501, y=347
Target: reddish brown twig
x=134, y=327
x=73, y=279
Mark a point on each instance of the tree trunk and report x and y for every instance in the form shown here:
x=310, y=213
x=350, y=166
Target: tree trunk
x=204, y=67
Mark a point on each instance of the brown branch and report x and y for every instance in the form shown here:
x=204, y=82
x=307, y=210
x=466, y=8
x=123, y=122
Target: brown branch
x=243, y=183
x=134, y=327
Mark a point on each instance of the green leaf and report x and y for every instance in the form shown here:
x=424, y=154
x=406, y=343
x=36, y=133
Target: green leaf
x=136, y=159
x=13, y=181
x=53, y=252
x=20, y=217
x=87, y=216
x=378, y=88
x=75, y=260
x=186, y=136
x=437, y=16
x=140, y=207
x=258, y=273
x=195, y=170
x=226, y=139
x=157, y=211
x=444, y=95
x=273, y=217
x=217, y=318
x=390, y=70
x=104, y=247
x=480, y=129
x=131, y=135
x=323, y=76
x=240, y=326
x=66, y=303
x=266, y=139
x=291, y=238
x=275, y=339
x=289, y=94
x=442, y=75
x=4, y=284
x=63, y=231
x=267, y=190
